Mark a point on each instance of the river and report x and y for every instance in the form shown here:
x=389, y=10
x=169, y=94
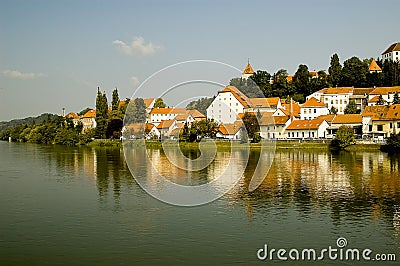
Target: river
x=81, y=206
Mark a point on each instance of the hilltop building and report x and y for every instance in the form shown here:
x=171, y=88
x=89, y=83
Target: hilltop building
x=374, y=68
x=248, y=71
x=392, y=53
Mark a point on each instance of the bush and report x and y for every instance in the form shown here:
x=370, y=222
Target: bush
x=344, y=138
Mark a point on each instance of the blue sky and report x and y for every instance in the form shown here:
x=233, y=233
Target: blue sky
x=54, y=54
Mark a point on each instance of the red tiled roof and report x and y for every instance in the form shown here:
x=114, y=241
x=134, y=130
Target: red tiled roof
x=347, y=119
x=230, y=129
x=374, y=66
x=312, y=102
x=243, y=99
x=392, y=47
x=305, y=124
x=248, y=69
x=172, y=110
x=385, y=90
x=89, y=114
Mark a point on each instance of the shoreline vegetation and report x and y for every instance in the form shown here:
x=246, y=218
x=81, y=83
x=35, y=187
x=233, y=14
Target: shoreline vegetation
x=223, y=145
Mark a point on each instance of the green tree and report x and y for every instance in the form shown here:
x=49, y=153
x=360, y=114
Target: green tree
x=396, y=98
x=251, y=124
x=333, y=110
x=205, y=128
x=351, y=108
x=335, y=70
x=354, y=73
x=262, y=79
x=344, y=137
x=319, y=82
x=392, y=144
x=247, y=87
x=391, y=73
x=380, y=100
x=301, y=80
x=159, y=103
x=200, y=105
x=135, y=112
x=101, y=114
x=115, y=100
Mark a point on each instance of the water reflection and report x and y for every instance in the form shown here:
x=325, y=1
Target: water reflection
x=348, y=184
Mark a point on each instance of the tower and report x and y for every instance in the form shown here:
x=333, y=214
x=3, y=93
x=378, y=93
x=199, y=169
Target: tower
x=248, y=71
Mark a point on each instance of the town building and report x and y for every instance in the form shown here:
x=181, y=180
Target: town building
x=160, y=114
x=312, y=109
x=273, y=127
x=231, y=131
x=381, y=121
x=392, y=53
x=374, y=68
x=307, y=129
x=386, y=92
x=88, y=120
x=350, y=120
x=334, y=97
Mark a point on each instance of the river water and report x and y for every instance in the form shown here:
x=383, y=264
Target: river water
x=81, y=206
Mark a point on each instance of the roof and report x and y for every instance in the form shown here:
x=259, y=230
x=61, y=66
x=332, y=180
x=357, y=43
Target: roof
x=383, y=112
x=89, y=114
x=305, y=124
x=392, y=47
x=312, y=102
x=230, y=129
x=274, y=120
x=72, y=115
x=264, y=102
x=243, y=99
x=248, y=69
x=289, y=78
x=394, y=112
x=347, y=119
x=385, y=90
x=362, y=91
x=328, y=118
x=196, y=114
x=165, y=124
x=375, y=99
x=148, y=101
x=295, y=108
x=149, y=126
x=136, y=127
x=338, y=90
x=172, y=110
x=374, y=66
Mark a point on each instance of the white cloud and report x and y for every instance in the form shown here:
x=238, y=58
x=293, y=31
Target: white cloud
x=135, y=81
x=20, y=75
x=138, y=46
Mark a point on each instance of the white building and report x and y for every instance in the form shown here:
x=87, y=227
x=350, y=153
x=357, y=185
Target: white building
x=392, y=53
x=301, y=129
x=227, y=105
x=334, y=97
x=232, y=131
x=386, y=92
x=159, y=114
x=273, y=127
x=312, y=108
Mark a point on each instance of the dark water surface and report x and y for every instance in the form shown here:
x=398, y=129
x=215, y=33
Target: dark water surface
x=81, y=206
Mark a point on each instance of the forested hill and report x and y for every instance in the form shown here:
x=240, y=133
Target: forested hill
x=28, y=120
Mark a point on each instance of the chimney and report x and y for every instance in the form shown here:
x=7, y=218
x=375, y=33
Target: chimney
x=63, y=112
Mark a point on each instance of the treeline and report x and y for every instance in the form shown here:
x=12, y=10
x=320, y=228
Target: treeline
x=353, y=73
x=28, y=120
x=55, y=130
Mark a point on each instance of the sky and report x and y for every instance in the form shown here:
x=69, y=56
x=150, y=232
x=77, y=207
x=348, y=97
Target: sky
x=54, y=54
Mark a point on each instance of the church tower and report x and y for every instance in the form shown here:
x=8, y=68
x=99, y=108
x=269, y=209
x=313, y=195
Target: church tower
x=248, y=71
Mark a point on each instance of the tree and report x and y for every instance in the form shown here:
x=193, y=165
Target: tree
x=333, y=110
x=344, y=138
x=396, y=98
x=84, y=111
x=262, y=79
x=335, y=70
x=351, y=108
x=200, y=105
x=392, y=144
x=301, y=80
x=247, y=87
x=205, y=128
x=135, y=112
x=251, y=124
x=391, y=73
x=159, y=103
x=115, y=100
x=354, y=73
x=380, y=100
x=101, y=114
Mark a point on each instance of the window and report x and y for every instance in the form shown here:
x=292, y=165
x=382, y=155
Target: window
x=341, y=102
x=237, y=104
x=312, y=133
x=302, y=134
x=370, y=128
x=379, y=127
x=391, y=125
x=398, y=124
x=336, y=101
x=315, y=111
x=297, y=134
